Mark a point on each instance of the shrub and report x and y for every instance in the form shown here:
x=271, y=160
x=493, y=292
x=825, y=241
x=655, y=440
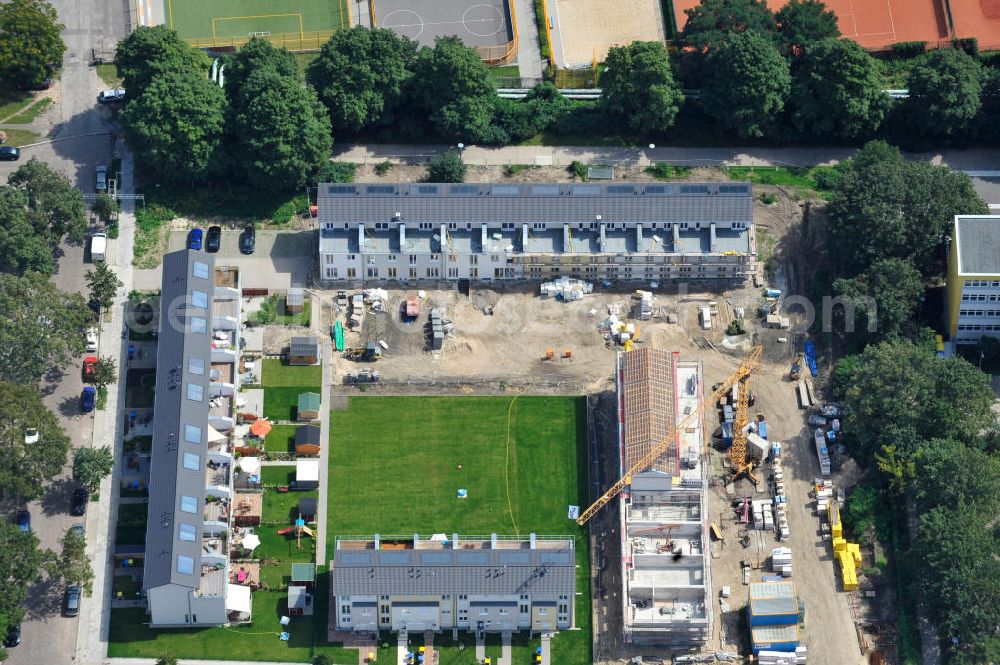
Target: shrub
x=541, y=22
x=664, y=171
x=968, y=44
x=382, y=168
x=768, y=199
x=907, y=50
x=336, y=172
x=736, y=327
x=578, y=169
x=448, y=167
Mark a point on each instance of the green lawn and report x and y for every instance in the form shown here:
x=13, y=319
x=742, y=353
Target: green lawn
x=820, y=179
x=406, y=473
x=277, y=373
x=278, y=506
x=281, y=439
x=28, y=115
x=277, y=475
x=283, y=403
x=14, y=102
x=20, y=137
x=109, y=74
x=238, y=18
x=129, y=638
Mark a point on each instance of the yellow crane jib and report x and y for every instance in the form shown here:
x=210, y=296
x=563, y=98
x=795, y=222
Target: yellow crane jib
x=747, y=365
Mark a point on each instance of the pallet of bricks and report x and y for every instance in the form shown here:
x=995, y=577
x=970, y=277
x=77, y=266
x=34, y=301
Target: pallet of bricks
x=822, y=452
x=780, y=499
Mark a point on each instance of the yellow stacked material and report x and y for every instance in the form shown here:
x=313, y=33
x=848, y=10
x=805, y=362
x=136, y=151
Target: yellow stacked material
x=847, y=570
x=854, y=550
x=838, y=530
x=839, y=545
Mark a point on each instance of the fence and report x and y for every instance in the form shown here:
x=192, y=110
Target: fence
x=502, y=54
x=293, y=41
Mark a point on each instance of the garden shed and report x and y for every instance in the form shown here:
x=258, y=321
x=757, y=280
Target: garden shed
x=303, y=350
x=307, y=440
x=309, y=406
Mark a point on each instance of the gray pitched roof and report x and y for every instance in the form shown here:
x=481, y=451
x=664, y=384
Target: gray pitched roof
x=307, y=434
x=185, y=302
x=303, y=346
x=723, y=203
x=447, y=571
x=978, y=239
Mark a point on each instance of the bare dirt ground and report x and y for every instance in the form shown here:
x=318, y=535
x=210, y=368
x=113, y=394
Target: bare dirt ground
x=586, y=29
x=526, y=173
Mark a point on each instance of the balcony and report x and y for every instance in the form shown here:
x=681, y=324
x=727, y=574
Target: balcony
x=226, y=315
x=216, y=517
x=218, y=480
x=220, y=412
x=215, y=550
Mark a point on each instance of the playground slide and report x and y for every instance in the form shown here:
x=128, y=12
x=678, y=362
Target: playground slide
x=287, y=529
x=306, y=530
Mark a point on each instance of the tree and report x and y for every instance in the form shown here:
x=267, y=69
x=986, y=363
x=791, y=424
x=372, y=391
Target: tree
x=894, y=285
x=21, y=565
x=945, y=88
x=175, y=124
x=709, y=23
x=73, y=565
x=837, y=91
x=103, y=284
x=92, y=465
x=283, y=131
x=148, y=52
x=803, y=23
x=166, y=659
x=451, y=86
x=55, y=206
x=29, y=41
x=255, y=56
x=21, y=248
x=360, y=76
x=886, y=207
x=105, y=371
x=105, y=207
x=448, y=167
x=638, y=86
x=746, y=83
x=25, y=467
x=943, y=477
x=41, y=327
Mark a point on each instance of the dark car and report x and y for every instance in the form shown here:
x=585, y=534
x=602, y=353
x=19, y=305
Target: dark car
x=194, y=239
x=23, y=520
x=9, y=153
x=13, y=636
x=248, y=239
x=213, y=239
x=72, y=600
x=80, y=498
x=88, y=398
x=44, y=84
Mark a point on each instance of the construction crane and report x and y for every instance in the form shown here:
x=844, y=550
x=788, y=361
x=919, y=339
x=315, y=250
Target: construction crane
x=451, y=247
x=742, y=373
x=738, y=451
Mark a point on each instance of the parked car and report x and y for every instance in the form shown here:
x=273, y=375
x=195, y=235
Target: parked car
x=80, y=498
x=72, y=600
x=91, y=339
x=213, y=239
x=13, y=637
x=31, y=435
x=88, y=399
x=194, y=239
x=23, y=520
x=101, y=179
x=248, y=239
x=44, y=84
x=9, y=153
x=89, y=365
x=816, y=421
x=111, y=95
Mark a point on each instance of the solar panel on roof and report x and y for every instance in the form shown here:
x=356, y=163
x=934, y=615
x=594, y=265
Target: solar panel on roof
x=657, y=189
x=473, y=557
x=545, y=190
x=620, y=189
x=733, y=189
x=586, y=190
x=463, y=189
x=554, y=557
x=380, y=189
x=354, y=558
x=340, y=190
x=694, y=189
x=515, y=557
x=504, y=190
x=393, y=557
x=423, y=189
x=435, y=557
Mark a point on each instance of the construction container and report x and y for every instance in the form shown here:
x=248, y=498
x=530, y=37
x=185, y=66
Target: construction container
x=772, y=604
x=775, y=638
x=762, y=429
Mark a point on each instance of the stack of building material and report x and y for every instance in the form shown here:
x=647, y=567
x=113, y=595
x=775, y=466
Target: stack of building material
x=798, y=657
x=437, y=329
x=822, y=452
x=644, y=308
x=781, y=561
x=824, y=495
x=757, y=447
x=763, y=515
x=566, y=289
x=804, y=400
x=848, y=555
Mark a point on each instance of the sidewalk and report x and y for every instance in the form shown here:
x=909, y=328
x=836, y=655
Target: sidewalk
x=529, y=58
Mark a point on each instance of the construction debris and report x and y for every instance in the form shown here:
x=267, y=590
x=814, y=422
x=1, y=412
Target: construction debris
x=566, y=289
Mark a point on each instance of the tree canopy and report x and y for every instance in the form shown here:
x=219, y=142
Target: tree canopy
x=837, y=91
x=92, y=465
x=42, y=327
x=148, y=52
x=803, y=23
x=448, y=167
x=638, y=86
x=30, y=42
x=451, y=86
x=21, y=564
x=361, y=74
x=21, y=248
x=175, y=123
x=73, y=565
x=894, y=285
x=25, y=467
x=55, y=206
x=103, y=284
x=884, y=206
x=746, y=83
x=711, y=21
x=945, y=88
x=253, y=57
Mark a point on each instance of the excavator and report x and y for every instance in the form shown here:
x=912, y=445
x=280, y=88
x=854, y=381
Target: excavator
x=737, y=453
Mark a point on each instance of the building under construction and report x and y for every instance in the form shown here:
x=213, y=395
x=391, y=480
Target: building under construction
x=665, y=570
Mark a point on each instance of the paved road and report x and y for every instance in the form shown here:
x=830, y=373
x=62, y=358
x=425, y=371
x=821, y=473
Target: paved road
x=82, y=138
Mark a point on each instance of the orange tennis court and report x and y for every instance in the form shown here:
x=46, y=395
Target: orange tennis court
x=875, y=24
x=979, y=19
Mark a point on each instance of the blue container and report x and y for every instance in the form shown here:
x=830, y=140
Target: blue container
x=762, y=429
x=774, y=638
x=772, y=293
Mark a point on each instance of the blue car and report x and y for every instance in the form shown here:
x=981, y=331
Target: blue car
x=194, y=239
x=88, y=398
x=23, y=520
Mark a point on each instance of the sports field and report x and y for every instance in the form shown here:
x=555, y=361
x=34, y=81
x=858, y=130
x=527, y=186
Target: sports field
x=241, y=19
x=394, y=469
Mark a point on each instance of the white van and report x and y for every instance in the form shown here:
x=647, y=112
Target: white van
x=98, y=247
x=706, y=318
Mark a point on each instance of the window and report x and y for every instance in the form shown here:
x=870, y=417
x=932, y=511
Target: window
x=474, y=259
x=345, y=610
x=433, y=272
x=524, y=609
x=196, y=365
x=351, y=273
x=192, y=434
x=413, y=259
x=452, y=272
x=372, y=272
x=199, y=299
x=187, y=532
x=473, y=272
x=195, y=392
x=413, y=273
x=189, y=504
x=331, y=273
x=351, y=257
x=495, y=258
x=185, y=564
x=435, y=257
x=200, y=269
x=391, y=257
x=392, y=273
x=198, y=324
x=384, y=621
x=192, y=461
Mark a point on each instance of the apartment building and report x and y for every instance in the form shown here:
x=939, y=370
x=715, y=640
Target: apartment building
x=974, y=278
x=665, y=597
x=482, y=583
x=439, y=234
x=186, y=573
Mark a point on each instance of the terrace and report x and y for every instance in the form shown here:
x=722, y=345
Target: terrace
x=246, y=573
x=217, y=513
x=221, y=373
x=214, y=553
x=248, y=509
x=455, y=543
x=217, y=477
x=220, y=412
